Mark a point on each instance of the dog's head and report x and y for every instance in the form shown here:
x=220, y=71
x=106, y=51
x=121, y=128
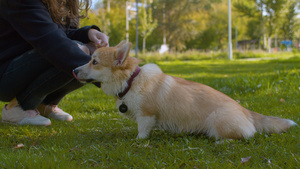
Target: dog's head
x=108, y=64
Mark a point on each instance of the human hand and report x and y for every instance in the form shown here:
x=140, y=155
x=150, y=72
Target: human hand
x=98, y=38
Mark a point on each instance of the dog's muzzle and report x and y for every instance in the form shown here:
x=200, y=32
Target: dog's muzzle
x=75, y=73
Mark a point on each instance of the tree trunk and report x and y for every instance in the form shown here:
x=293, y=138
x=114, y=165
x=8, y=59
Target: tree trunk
x=270, y=45
x=144, y=44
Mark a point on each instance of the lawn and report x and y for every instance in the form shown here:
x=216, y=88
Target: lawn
x=100, y=138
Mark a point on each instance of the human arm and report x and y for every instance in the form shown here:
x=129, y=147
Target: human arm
x=32, y=21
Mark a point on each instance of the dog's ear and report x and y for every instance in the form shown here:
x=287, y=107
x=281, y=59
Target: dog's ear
x=121, y=43
x=122, y=53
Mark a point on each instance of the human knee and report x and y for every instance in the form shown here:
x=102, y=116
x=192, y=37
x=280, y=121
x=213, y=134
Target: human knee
x=6, y=96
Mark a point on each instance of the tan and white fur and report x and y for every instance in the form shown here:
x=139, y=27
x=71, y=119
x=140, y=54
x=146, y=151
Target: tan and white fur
x=171, y=103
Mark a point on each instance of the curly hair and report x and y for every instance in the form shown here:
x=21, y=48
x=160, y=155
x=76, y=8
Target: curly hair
x=67, y=11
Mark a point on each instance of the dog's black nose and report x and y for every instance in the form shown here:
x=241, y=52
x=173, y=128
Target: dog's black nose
x=75, y=71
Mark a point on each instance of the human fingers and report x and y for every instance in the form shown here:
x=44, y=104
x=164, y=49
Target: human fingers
x=103, y=39
x=92, y=35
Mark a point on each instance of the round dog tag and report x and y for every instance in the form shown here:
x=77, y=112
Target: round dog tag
x=123, y=108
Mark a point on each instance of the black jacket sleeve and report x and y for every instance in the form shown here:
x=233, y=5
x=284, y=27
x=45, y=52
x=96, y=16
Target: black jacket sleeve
x=33, y=23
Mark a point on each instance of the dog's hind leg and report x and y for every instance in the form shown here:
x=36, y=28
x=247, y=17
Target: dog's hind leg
x=229, y=125
x=145, y=125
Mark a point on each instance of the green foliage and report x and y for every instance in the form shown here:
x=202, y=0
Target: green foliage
x=290, y=24
x=273, y=9
x=246, y=8
x=99, y=137
x=112, y=21
x=254, y=30
x=174, y=21
x=146, y=24
x=270, y=17
x=197, y=24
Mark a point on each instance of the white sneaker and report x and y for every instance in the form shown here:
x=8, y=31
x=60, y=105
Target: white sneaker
x=52, y=111
x=18, y=116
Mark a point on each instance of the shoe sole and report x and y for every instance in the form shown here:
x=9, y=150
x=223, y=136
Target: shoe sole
x=61, y=117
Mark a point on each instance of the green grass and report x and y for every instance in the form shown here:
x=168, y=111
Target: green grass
x=100, y=138
x=197, y=55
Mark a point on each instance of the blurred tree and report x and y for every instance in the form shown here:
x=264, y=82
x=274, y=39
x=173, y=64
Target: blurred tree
x=213, y=34
x=266, y=16
x=146, y=24
x=110, y=17
x=252, y=11
x=92, y=18
x=273, y=9
x=290, y=22
x=196, y=24
x=179, y=25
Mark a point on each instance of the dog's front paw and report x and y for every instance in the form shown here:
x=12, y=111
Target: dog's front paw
x=142, y=136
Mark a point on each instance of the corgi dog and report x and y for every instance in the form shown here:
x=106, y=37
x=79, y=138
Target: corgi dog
x=153, y=99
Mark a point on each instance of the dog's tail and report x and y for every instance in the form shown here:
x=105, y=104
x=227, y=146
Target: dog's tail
x=270, y=124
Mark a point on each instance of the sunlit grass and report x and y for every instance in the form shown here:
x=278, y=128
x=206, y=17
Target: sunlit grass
x=100, y=138
x=198, y=55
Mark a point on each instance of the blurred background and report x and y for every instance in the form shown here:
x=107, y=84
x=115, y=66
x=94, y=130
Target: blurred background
x=199, y=25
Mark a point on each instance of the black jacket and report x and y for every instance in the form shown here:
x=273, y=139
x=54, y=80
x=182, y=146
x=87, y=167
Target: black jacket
x=27, y=24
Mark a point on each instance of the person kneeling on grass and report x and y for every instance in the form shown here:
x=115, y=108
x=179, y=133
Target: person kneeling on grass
x=38, y=51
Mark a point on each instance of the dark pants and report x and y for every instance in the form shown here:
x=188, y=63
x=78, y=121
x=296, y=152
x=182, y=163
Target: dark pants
x=33, y=80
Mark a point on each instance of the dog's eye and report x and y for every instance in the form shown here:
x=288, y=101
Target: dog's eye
x=94, y=62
